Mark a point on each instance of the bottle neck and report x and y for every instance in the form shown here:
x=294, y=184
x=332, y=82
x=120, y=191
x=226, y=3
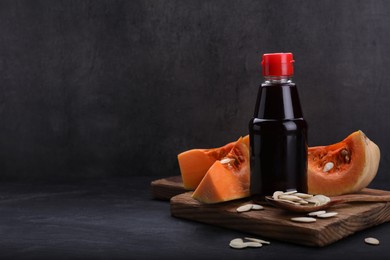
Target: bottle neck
x=277, y=79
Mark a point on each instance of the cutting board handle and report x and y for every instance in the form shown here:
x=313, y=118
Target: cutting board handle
x=361, y=198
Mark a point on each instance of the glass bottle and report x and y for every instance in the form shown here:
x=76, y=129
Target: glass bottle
x=278, y=131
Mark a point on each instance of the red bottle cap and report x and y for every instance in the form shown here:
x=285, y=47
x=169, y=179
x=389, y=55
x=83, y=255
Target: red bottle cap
x=278, y=64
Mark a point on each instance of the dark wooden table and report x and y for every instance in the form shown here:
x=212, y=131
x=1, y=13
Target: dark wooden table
x=118, y=218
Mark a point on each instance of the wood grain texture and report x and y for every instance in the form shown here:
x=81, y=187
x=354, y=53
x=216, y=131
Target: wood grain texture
x=166, y=188
x=274, y=223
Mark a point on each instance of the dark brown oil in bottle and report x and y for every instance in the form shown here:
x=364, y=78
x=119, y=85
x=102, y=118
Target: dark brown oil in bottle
x=278, y=139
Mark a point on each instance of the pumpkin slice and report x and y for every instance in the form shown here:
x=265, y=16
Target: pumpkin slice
x=344, y=167
x=195, y=163
x=228, y=178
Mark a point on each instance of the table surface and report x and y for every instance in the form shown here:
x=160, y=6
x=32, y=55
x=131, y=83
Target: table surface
x=118, y=218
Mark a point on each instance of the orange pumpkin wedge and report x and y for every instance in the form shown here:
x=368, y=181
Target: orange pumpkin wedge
x=227, y=179
x=195, y=163
x=344, y=167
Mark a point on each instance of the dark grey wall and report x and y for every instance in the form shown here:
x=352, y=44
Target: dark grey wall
x=105, y=88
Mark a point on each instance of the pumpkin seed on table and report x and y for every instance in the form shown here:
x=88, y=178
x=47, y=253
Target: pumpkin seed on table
x=252, y=244
x=371, y=241
x=258, y=240
x=238, y=243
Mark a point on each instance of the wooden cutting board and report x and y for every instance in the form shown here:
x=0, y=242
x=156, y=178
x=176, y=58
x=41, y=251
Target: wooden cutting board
x=166, y=188
x=274, y=223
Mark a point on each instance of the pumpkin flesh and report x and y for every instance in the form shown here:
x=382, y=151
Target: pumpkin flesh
x=355, y=164
x=195, y=163
x=227, y=179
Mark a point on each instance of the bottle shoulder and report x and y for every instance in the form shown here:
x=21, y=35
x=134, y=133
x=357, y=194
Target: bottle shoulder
x=255, y=120
x=275, y=124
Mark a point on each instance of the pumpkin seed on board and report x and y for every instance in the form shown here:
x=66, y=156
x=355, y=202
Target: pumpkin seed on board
x=327, y=215
x=316, y=213
x=257, y=207
x=246, y=207
x=304, y=219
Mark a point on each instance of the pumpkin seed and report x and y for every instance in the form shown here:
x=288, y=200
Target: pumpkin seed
x=276, y=194
x=298, y=198
x=318, y=200
x=252, y=244
x=327, y=215
x=328, y=166
x=303, y=195
x=345, y=153
x=261, y=241
x=289, y=201
x=226, y=160
x=289, y=197
x=290, y=192
x=248, y=207
x=257, y=207
x=304, y=219
x=237, y=246
x=322, y=198
x=371, y=241
x=316, y=213
x=312, y=200
x=237, y=243
x=244, y=208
